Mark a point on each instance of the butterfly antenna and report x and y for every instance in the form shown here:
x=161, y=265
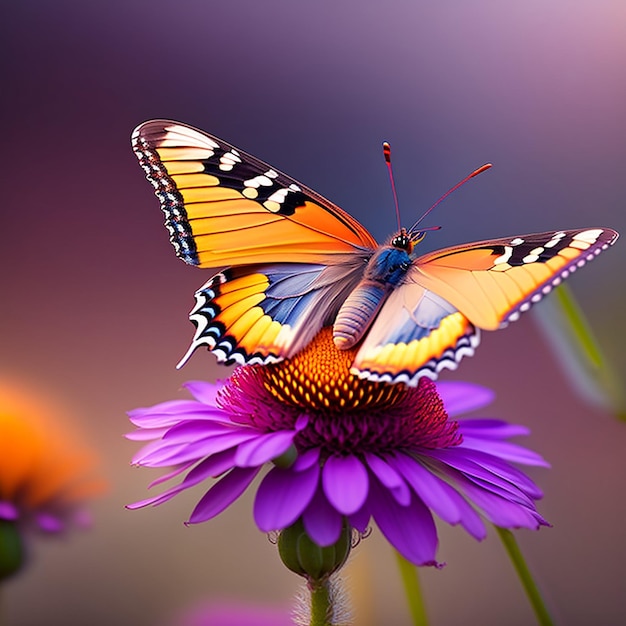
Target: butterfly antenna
x=480, y=170
x=387, y=155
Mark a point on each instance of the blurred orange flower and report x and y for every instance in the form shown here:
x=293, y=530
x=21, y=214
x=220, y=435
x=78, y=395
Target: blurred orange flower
x=46, y=474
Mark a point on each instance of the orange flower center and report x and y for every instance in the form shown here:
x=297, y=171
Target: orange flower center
x=319, y=378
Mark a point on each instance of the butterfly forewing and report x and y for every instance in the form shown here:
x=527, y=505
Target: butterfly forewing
x=492, y=282
x=225, y=207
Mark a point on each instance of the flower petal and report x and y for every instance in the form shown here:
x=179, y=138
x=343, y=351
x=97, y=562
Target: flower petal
x=223, y=494
x=361, y=519
x=345, y=483
x=145, y=434
x=189, y=431
x=263, y=448
x=173, y=411
x=306, y=459
x=181, y=453
x=505, y=450
x=490, y=471
x=283, y=495
x=459, y=397
x=175, y=472
x=213, y=466
x=8, y=511
x=203, y=391
x=499, y=510
x=439, y=496
x=491, y=429
x=49, y=523
x=322, y=521
x=389, y=477
x=409, y=529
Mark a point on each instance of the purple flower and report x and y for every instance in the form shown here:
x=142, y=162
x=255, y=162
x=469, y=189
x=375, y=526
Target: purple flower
x=234, y=614
x=337, y=448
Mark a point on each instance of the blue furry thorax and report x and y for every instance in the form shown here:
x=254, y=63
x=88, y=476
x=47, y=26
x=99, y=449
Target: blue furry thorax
x=388, y=265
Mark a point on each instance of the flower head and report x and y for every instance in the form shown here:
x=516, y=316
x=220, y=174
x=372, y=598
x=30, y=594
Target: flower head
x=45, y=475
x=340, y=448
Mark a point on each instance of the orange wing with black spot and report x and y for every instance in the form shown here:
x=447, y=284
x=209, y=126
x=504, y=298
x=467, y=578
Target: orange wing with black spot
x=225, y=207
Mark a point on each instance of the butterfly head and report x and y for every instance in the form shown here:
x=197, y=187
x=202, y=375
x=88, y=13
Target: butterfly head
x=403, y=241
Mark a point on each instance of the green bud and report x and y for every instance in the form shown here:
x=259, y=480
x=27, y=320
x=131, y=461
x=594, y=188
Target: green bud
x=11, y=549
x=303, y=556
x=287, y=458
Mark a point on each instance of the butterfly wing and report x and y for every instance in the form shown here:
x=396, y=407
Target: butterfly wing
x=417, y=333
x=259, y=314
x=224, y=207
x=433, y=318
x=293, y=254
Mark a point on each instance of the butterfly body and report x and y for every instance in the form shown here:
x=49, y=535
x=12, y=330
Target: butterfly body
x=296, y=262
x=385, y=270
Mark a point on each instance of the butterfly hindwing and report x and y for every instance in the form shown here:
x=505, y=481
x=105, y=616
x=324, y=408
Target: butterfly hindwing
x=261, y=314
x=417, y=333
x=225, y=207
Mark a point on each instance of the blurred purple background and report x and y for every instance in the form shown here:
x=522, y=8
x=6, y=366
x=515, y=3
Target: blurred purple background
x=94, y=306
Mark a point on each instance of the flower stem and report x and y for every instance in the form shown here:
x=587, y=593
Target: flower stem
x=532, y=591
x=410, y=580
x=320, y=603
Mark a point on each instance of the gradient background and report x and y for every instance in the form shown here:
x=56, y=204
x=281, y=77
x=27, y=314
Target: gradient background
x=94, y=302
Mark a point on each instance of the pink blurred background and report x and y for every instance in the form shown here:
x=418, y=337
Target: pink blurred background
x=94, y=305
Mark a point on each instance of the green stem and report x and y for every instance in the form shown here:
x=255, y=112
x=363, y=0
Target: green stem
x=3, y=618
x=532, y=591
x=321, y=609
x=410, y=580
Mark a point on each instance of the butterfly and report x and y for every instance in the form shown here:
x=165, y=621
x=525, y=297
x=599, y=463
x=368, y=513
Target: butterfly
x=296, y=262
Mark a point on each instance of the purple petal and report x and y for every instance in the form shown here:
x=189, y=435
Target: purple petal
x=145, y=434
x=505, y=450
x=213, y=466
x=389, y=477
x=321, y=521
x=203, y=391
x=223, y=494
x=49, y=523
x=302, y=422
x=491, y=429
x=181, y=453
x=443, y=499
x=263, y=448
x=283, y=495
x=461, y=398
x=175, y=472
x=189, y=431
x=171, y=412
x=8, y=511
x=361, y=519
x=306, y=459
x=479, y=466
x=501, y=511
x=345, y=483
x=409, y=529
x=155, y=451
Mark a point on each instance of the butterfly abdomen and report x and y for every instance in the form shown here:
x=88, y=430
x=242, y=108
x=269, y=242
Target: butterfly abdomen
x=384, y=271
x=357, y=313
